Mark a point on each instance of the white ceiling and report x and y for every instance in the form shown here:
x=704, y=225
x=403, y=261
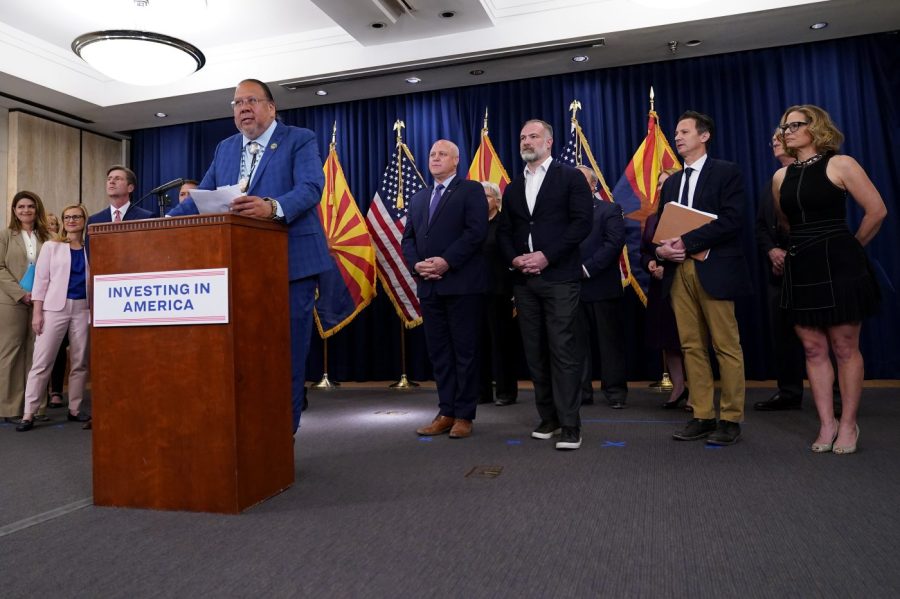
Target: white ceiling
x=329, y=44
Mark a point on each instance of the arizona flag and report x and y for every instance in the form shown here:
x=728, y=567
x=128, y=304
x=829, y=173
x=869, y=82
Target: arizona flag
x=349, y=285
x=637, y=191
x=486, y=165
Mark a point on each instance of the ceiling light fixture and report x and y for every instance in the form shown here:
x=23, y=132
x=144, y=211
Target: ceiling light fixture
x=377, y=25
x=580, y=58
x=476, y=72
x=321, y=92
x=161, y=115
x=413, y=80
x=447, y=14
x=138, y=57
x=817, y=26
x=693, y=43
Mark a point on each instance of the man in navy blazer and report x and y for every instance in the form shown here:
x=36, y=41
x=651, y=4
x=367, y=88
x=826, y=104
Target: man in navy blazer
x=120, y=184
x=703, y=291
x=601, y=299
x=445, y=228
x=280, y=171
x=546, y=214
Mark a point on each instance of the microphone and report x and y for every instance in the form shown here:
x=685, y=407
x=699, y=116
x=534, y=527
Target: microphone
x=166, y=186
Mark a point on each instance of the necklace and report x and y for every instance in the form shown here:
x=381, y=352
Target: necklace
x=812, y=159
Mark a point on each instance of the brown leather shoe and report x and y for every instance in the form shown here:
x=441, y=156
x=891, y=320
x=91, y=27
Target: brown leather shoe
x=438, y=426
x=461, y=429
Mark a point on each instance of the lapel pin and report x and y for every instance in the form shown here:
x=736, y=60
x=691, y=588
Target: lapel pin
x=273, y=146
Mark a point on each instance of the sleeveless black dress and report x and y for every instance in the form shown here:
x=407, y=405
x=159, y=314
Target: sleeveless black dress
x=827, y=278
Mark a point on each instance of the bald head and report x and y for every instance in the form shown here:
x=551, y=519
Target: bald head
x=443, y=160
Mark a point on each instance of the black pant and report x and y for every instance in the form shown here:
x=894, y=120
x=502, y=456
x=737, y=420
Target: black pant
x=790, y=360
x=452, y=329
x=554, y=346
x=499, y=348
x=603, y=319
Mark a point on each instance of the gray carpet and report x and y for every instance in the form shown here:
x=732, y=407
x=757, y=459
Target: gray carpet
x=378, y=512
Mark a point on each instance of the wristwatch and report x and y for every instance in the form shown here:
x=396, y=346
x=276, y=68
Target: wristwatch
x=274, y=205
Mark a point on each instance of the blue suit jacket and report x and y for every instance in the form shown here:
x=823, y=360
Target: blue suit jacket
x=600, y=253
x=720, y=190
x=134, y=213
x=561, y=220
x=456, y=233
x=290, y=172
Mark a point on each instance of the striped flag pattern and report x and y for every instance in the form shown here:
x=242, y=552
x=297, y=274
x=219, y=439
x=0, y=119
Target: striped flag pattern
x=387, y=220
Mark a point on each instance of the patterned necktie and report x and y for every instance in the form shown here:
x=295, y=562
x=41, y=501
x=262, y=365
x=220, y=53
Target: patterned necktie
x=435, y=199
x=687, y=185
x=117, y=216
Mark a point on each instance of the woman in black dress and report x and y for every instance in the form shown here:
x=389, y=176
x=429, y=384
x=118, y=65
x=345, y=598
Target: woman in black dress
x=829, y=286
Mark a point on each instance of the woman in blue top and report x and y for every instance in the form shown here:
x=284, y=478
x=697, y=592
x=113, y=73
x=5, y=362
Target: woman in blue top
x=60, y=306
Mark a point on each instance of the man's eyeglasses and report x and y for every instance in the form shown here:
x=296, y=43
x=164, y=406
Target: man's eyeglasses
x=73, y=217
x=251, y=102
x=792, y=127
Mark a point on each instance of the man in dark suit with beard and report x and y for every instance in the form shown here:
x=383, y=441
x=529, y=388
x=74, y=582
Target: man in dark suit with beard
x=442, y=240
x=703, y=291
x=547, y=212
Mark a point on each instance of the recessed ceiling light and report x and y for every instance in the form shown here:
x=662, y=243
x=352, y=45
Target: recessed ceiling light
x=321, y=92
x=161, y=115
x=819, y=25
x=476, y=72
x=413, y=80
x=377, y=25
x=448, y=14
x=580, y=58
x=693, y=43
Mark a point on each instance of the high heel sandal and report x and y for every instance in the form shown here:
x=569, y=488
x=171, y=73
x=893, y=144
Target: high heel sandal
x=823, y=447
x=674, y=403
x=847, y=448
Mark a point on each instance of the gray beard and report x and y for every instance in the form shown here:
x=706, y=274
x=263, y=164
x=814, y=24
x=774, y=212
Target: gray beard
x=529, y=155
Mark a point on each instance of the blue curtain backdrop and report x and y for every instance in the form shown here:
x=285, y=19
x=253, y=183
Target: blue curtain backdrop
x=857, y=80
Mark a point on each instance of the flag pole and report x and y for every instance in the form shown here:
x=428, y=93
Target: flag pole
x=325, y=383
x=403, y=383
x=665, y=383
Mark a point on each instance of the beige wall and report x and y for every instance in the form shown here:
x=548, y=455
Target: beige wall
x=98, y=153
x=4, y=167
x=62, y=164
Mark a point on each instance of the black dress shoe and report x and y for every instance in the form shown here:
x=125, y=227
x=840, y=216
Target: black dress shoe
x=671, y=405
x=25, y=425
x=505, y=401
x=696, y=429
x=777, y=402
x=587, y=401
x=79, y=417
x=570, y=438
x=485, y=400
x=727, y=433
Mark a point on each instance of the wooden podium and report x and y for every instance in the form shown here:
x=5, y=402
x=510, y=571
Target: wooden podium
x=195, y=417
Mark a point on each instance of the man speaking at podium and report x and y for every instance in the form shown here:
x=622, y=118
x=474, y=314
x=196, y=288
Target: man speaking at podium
x=279, y=170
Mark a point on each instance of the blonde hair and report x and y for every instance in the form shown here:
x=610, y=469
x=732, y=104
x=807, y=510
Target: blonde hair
x=826, y=137
x=62, y=236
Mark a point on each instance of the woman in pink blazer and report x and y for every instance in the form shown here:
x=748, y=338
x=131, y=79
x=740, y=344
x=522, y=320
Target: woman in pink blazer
x=60, y=304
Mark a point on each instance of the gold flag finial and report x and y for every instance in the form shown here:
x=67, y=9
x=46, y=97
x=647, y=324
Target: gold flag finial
x=575, y=106
x=484, y=128
x=398, y=127
x=651, y=99
x=334, y=135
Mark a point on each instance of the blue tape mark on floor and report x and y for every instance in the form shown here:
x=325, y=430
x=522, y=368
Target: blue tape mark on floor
x=513, y=441
x=613, y=444
x=618, y=421
x=708, y=446
x=58, y=425
x=425, y=439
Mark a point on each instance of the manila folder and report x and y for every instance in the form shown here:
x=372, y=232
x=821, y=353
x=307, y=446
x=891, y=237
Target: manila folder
x=678, y=219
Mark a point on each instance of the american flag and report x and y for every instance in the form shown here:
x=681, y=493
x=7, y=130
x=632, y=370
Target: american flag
x=387, y=220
